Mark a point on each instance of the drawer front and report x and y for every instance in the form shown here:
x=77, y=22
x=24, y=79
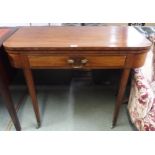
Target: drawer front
x=77, y=61
x=105, y=61
x=48, y=61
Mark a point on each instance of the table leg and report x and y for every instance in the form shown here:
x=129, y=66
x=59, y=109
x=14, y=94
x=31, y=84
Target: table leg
x=31, y=87
x=4, y=91
x=121, y=91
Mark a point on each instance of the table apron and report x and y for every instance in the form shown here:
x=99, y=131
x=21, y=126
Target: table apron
x=79, y=61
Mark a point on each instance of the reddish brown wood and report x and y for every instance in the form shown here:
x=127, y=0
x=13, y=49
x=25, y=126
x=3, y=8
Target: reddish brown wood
x=122, y=88
x=62, y=61
x=80, y=48
x=5, y=80
x=77, y=38
x=4, y=91
x=31, y=87
x=6, y=32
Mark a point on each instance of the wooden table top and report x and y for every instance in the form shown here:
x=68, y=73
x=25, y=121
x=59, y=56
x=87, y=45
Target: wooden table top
x=79, y=38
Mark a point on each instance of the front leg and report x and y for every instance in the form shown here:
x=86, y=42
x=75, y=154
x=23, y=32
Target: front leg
x=31, y=88
x=121, y=92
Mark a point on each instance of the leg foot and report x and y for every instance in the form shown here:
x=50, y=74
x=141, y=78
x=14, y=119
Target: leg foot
x=113, y=125
x=39, y=125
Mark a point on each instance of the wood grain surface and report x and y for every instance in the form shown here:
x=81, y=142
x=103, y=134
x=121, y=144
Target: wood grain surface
x=77, y=38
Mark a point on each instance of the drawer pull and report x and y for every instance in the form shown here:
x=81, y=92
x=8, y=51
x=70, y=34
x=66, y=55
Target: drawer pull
x=77, y=63
x=71, y=61
x=84, y=61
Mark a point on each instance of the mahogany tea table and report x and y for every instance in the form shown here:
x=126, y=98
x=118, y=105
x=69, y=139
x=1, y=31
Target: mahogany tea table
x=96, y=47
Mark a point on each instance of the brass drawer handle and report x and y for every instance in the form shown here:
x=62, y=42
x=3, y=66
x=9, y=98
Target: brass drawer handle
x=71, y=61
x=77, y=63
x=84, y=61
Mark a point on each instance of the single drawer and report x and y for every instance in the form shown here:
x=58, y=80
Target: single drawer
x=105, y=61
x=49, y=61
x=76, y=62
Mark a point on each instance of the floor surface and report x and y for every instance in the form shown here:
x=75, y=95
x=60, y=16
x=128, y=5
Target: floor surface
x=81, y=106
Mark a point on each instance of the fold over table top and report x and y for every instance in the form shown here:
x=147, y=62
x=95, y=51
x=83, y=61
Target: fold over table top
x=77, y=38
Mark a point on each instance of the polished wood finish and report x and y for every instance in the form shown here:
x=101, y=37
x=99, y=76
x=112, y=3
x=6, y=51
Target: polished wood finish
x=5, y=93
x=6, y=32
x=4, y=82
x=77, y=38
x=31, y=87
x=104, y=47
x=62, y=61
x=3, y=34
x=122, y=87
